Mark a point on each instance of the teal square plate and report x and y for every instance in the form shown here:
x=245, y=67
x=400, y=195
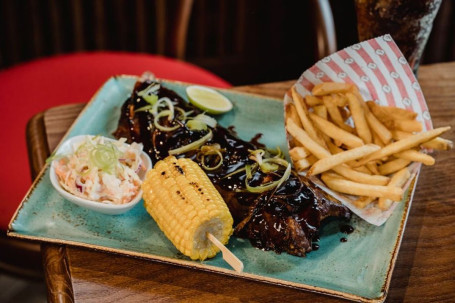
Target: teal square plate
x=359, y=269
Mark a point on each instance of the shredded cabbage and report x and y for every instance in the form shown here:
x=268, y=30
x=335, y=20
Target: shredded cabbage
x=101, y=170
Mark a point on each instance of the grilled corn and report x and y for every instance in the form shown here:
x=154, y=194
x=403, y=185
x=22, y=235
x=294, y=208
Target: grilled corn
x=186, y=206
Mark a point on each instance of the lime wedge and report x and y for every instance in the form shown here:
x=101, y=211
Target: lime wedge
x=208, y=99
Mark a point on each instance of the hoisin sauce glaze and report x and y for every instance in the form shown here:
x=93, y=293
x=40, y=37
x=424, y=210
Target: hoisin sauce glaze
x=283, y=220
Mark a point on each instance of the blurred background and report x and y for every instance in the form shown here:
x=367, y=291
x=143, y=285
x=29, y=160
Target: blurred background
x=242, y=41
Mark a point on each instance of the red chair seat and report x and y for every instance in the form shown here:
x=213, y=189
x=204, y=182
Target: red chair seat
x=33, y=87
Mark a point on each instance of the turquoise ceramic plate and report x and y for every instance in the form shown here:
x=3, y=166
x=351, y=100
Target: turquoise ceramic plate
x=359, y=269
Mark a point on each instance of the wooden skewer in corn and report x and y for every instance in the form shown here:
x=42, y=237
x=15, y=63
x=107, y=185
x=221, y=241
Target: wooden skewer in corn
x=228, y=255
x=188, y=209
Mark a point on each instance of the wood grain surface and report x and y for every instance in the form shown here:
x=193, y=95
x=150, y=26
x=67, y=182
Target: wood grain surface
x=56, y=272
x=424, y=271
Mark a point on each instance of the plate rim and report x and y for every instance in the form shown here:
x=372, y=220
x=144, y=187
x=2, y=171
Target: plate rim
x=205, y=267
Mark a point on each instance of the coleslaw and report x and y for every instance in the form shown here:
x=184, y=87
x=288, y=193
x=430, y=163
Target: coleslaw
x=101, y=170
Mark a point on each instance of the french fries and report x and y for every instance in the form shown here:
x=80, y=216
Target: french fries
x=358, y=115
x=398, y=134
x=438, y=144
x=363, y=201
x=302, y=112
x=339, y=100
x=312, y=100
x=340, y=158
x=299, y=152
x=369, y=161
x=398, y=179
x=302, y=136
x=383, y=133
x=408, y=125
x=404, y=144
x=372, y=167
x=413, y=155
x=351, y=174
x=328, y=88
x=305, y=162
x=335, y=132
x=390, y=113
x=363, y=169
x=393, y=166
x=353, y=188
x=321, y=111
x=291, y=111
x=334, y=112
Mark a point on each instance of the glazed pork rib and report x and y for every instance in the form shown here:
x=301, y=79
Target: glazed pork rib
x=283, y=219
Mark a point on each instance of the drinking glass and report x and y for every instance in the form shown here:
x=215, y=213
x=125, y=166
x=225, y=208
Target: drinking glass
x=409, y=22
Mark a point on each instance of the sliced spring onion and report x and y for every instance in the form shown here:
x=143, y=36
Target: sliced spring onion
x=156, y=121
x=248, y=172
x=182, y=114
x=148, y=93
x=144, y=108
x=193, y=145
x=151, y=99
x=207, y=150
x=268, y=167
x=105, y=157
x=211, y=149
x=277, y=152
x=200, y=122
x=257, y=155
x=271, y=164
x=271, y=185
x=196, y=125
x=278, y=161
x=220, y=162
x=149, y=89
x=206, y=119
x=160, y=102
x=155, y=107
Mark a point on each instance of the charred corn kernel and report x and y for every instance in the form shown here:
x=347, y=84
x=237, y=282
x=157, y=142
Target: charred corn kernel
x=186, y=206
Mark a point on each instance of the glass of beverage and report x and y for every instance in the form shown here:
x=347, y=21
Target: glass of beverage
x=409, y=22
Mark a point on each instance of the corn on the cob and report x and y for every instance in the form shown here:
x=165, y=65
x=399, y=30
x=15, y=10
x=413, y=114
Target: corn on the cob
x=186, y=206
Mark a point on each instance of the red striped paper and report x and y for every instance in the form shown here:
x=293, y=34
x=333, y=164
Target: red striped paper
x=382, y=74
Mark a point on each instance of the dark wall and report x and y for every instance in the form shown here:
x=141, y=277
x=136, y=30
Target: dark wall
x=244, y=41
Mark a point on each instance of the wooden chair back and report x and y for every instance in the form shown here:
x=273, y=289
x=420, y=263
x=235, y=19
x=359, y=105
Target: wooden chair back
x=38, y=28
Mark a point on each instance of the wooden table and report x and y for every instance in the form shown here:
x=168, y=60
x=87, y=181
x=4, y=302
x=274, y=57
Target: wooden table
x=424, y=271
